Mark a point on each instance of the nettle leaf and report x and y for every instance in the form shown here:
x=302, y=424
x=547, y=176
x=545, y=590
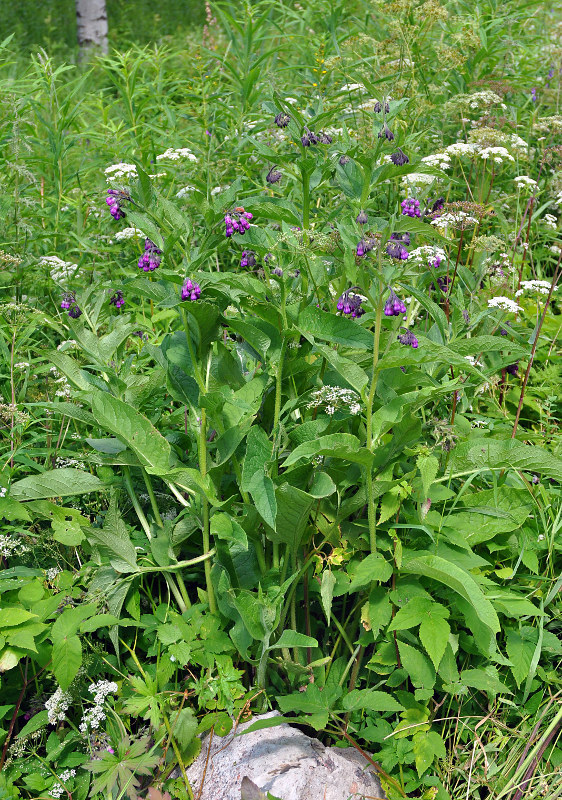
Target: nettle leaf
x=223, y=526
x=114, y=540
x=290, y=638
x=443, y=571
x=486, y=680
x=377, y=611
x=370, y=700
x=372, y=568
x=184, y=727
x=416, y=611
x=520, y=646
x=428, y=467
x=61, y=482
x=434, y=635
x=417, y=665
x=427, y=746
x=152, y=450
x=258, y=453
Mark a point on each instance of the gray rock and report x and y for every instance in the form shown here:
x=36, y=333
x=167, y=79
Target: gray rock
x=283, y=761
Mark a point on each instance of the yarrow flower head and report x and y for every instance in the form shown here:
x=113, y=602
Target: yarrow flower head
x=117, y=299
x=428, y=256
x=394, y=306
x=57, y=705
x=190, y=290
x=177, y=154
x=115, y=199
x=350, y=303
x=237, y=221
x=150, y=259
x=504, y=304
x=68, y=303
x=537, y=287
x=119, y=173
x=408, y=338
x=248, y=259
x=411, y=207
x=334, y=398
x=399, y=158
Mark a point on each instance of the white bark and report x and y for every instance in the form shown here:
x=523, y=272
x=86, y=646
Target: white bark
x=91, y=19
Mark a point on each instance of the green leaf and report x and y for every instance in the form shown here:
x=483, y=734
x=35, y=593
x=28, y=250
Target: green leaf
x=335, y=445
x=61, y=482
x=67, y=624
x=258, y=453
x=327, y=592
x=416, y=611
x=36, y=722
x=417, y=665
x=488, y=454
x=293, y=509
x=10, y=617
x=428, y=467
x=223, y=526
x=520, y=646
x=434, y=635
x=67, y=659
x=152, y=450
x=370, y=700
x=71, y=369
x=263, y=495
x=184, y=727
x=337, y=330
x=372, y=568
x=486, y=680
x=291, y=638
x=10, y=509
x=114, y=539
x=100, y=621
x=427, y=746
x=443, y=571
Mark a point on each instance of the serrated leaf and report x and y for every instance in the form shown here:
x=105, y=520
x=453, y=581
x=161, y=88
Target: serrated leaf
x=417, y=665
x=434, y=635
x=291, y=638
x=520, y=646
x=335, y=445
x=67, y=659
x=370, y=700
x=427, y=746
x=184, y=727
x=373, y=567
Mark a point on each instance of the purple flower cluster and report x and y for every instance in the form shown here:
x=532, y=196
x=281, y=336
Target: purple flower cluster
x=237, y=221
x=365, y=246
x=394, y=306
x=396, y=248
x=513, y=369
x=408, y=338
x=150, y=259
x=117, y=299
x=274, y=175
x=190, y=290
x=386, y=133
x=350, y=303
x=399, y=158
x=248, y=259
x=115, y=199
x=68, y=303
x=361, y=218
x=309, y=138
x=282, y=119
x=377, y=108
x=411, y=207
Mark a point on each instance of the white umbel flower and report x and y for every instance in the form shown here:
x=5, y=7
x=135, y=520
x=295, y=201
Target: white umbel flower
x=524, y=182
x=460, y=149
x=57, y=705
x=177, y=154
x=129, y=233
x=120, y=172
x=533, y=287
x=441, y=160
x=504, y=303
x=497, y=154
x=334, y=398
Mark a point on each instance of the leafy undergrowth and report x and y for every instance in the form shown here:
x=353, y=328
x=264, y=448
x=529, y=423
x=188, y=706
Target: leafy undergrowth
x=280, y=344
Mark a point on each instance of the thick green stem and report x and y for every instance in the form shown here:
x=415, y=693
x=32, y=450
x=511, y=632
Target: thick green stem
x=206, y=515
x=305, y=200
x=136, y=505
x=369, y=416
x=278, y=393
x=153, y=503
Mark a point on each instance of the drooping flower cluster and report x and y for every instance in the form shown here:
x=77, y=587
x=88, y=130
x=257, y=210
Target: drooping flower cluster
x=57, y=705
x=190, y=290
x=362, y=218
x=117, y=299
x=408, y=338
x=248, y=259
x=68, y=303
x=350, y=303
x=394, y=306
x=365, y=245
x=334, y=398
x=115, y=199
x=411, y=207
x=150, y=259
x=386, y=133
x=237, y=221
x=274, y=175
x=310, y=138
x=399, y=158
x=396, y=248
x=95, y=715
x=282, y=119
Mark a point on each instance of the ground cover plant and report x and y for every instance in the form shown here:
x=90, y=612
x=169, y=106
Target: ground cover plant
x=280, y=376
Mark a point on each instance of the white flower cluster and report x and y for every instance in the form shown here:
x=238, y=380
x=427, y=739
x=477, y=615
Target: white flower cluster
x=51, y=573
x=21, y=365
x=353, y=87
x=96, y=714
x=334, y=398
x=484, y=99
x=426, y=255
x=69, y=344
x=217, y=190
x=11, y=545
x=418, y=179
x=176, y=154
x=441, y=160
x=460, y=149
x=59, y=270
x=57, y=705
x=558, y=200
x=519, y=144
x=128, y=233
x=474, y=361
x=524, y=182
x=65, y=389
x=458, y=218
x=497, y=154
x=57, y=789
x=3, y=491
x=538, y=287
x=504, y=303
x=550, y=221
x=70, y=462
x=120, y=172
x=185, y=191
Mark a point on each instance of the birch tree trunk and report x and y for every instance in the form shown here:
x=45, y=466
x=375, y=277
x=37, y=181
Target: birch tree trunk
x=91, y=19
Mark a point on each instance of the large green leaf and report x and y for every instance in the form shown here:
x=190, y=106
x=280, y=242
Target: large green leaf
x=67, y=659
x=373, y=567
x=293, y=508
x=152, y=450
x=335, y=445
x=114, y=539
x=488, y=454
x=438, y=569
x=370, y=700
x=337, y=330
x=55, y=483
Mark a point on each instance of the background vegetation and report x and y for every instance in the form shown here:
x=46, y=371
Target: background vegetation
x=313, y=465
